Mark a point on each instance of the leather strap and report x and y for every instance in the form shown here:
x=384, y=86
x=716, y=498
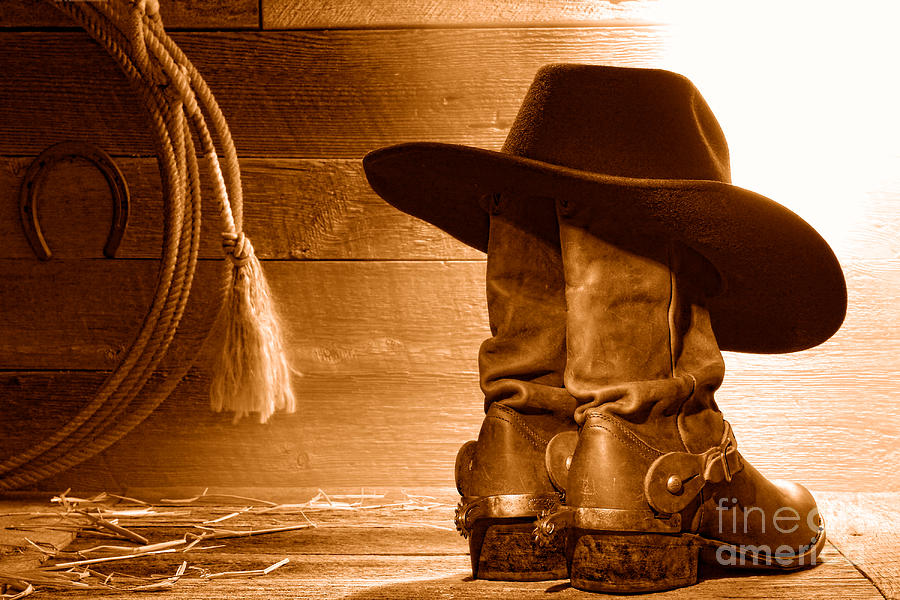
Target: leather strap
x=676, y=478
x=615, y=519
x=554, y=522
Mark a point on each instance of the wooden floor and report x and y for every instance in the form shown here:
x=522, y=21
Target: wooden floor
x=394, y=545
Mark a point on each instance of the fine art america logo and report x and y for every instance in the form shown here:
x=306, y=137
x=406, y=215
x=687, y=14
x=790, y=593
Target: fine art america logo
x=785, y=520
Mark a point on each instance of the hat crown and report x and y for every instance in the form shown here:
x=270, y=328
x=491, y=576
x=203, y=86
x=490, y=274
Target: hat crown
x=637, y=123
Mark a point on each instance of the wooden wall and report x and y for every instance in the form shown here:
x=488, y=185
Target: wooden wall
x=384, y=314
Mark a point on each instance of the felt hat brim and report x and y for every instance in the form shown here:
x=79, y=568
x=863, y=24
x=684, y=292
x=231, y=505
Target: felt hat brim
x=782, y=286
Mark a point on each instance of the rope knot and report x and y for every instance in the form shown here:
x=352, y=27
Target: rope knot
x=148, y=7
x=173, y=80
x=238, y=248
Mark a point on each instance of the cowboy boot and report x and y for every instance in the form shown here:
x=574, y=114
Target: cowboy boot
x=655, y=481
x=501, y=476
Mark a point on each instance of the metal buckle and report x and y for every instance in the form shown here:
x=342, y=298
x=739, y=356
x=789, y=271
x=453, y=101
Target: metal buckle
x=711, y=460
x=720, y=454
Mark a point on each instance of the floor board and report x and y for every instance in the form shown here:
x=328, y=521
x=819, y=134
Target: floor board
x=403, y=546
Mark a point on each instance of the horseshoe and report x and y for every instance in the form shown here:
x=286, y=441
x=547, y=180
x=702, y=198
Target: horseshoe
x=35, y=175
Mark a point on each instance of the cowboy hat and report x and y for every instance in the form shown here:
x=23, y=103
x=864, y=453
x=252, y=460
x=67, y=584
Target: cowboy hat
x=645, y=145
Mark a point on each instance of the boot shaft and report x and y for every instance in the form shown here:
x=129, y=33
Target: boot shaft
x=521, y=365
x=640, y=343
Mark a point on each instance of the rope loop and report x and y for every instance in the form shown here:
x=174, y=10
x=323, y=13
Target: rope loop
x=237, y=247
x=252, y=372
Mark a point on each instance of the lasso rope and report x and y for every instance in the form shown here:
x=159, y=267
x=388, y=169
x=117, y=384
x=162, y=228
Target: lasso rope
x=251, y=372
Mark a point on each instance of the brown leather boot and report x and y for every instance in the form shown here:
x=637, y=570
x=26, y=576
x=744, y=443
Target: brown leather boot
x=655, y=481
x=502, y=477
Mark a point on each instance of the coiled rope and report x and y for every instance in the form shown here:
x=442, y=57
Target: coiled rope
x=251, y=373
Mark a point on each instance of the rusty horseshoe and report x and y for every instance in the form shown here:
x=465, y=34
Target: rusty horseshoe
x=34, y=177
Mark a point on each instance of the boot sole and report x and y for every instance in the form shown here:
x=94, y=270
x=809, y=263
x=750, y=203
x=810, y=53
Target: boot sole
x=632, y=562
x=506, y=550
x=623, y=562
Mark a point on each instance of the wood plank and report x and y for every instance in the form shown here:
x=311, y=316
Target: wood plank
x=398, y=575
x=370, y=316
x=307, y=209
x=403, y=535
x=86, y=314
x=864, y=529
x=319, y=567
x=322, y=567
x=343, y=93
x=363, y=430
x=822, y=582
x=306, y=14
x=294, y=209
x=417, y=578
x=305, y=94
x=341, y=317
x=348, y=432
x=16, y=553
x=176, y=14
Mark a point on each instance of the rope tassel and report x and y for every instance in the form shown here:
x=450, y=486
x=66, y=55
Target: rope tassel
x=251, y=371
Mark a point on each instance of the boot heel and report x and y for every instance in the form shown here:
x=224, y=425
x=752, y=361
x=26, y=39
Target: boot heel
x=506, y=550
x=624, y=562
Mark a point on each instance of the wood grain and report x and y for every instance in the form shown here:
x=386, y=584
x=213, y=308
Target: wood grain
x=294, y=209
x=340, y=317
x=864, y=529
x=366, y=316
x=103, y=302
x=310, y=94
x=348, y=432
x=306, y=14
x=389, y=554
x=16, y=553
x=421, y=578
x=314, y=209
x=401, y=577
x=176, y=14
x=368, y=429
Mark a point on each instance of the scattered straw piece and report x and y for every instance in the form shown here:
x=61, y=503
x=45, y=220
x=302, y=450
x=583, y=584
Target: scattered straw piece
x=22, y=587
x=229, y=516
x=251, y=573
x=218, y=534
x=134, y=549
x=127, y=533
x=165, y=584
x=101, y=498
x=94, y=561
x=196, y=541
x=42, y=547
x=213, y=497
x=40, y=577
